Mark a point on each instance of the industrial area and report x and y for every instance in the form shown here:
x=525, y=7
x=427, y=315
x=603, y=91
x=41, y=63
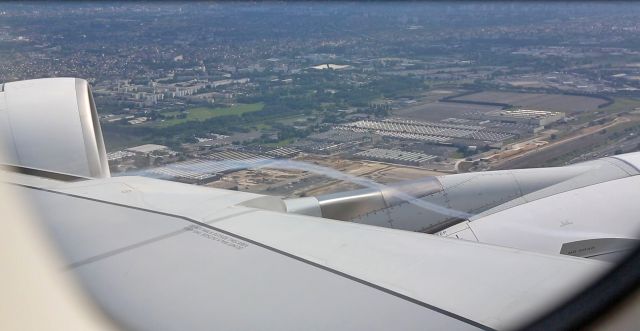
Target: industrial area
x=397, y=147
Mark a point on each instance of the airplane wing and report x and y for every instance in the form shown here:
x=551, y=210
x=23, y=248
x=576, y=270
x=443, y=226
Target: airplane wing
x=159, y=255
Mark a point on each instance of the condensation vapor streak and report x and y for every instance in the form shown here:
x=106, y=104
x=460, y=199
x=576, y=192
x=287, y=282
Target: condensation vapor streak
x=209, y=166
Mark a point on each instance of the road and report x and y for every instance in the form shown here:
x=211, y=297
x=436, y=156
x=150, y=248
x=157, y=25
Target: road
x=536, y=157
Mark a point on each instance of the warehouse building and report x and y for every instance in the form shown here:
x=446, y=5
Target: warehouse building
x=396, y=156
x=525, y=116
x=147, y=149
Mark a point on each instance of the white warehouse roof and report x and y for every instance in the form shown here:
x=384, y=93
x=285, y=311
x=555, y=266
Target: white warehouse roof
x=148, y=148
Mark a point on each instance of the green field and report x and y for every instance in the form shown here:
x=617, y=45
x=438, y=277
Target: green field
x=262, y=127
x=280, y=143
x=205, y=113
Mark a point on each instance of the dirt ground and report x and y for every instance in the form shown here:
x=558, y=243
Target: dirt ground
x=554, y=102
x=436, y=111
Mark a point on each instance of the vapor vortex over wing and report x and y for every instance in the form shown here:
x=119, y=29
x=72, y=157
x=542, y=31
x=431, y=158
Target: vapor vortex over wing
x=405, y=193
x=430, y=204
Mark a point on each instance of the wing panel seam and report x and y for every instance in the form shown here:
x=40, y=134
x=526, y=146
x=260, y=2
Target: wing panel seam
x=276, y=250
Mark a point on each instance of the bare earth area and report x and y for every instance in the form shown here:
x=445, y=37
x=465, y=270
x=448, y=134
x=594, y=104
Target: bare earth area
x=554, y=102
x=439, y=110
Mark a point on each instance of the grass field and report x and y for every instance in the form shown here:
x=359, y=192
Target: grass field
x=280, y=143
x=205, y=113
x=263, y=127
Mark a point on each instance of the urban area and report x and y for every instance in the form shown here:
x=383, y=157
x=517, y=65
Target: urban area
x=213, y=94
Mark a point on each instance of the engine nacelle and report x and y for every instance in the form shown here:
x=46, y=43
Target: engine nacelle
x=52, y=125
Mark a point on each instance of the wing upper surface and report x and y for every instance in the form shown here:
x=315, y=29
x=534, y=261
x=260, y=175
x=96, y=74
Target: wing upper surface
x=152, y=251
